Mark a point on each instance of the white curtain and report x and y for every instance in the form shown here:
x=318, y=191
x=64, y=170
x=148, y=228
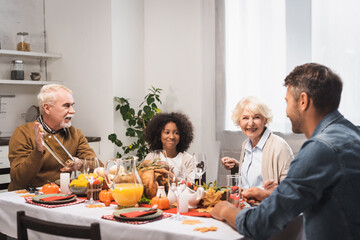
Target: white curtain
x=255, y=50
x=336, y=44
x=266, y=39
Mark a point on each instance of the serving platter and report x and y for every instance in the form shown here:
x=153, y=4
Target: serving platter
x=141, y=218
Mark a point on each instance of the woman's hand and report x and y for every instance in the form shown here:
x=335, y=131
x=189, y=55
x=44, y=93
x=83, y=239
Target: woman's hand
x=229, y=163
x=270, y=185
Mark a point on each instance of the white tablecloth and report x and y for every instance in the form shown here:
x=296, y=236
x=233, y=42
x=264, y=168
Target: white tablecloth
x=11, y=202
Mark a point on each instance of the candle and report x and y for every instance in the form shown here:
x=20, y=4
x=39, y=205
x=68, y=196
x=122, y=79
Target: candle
x=64, y=182
x=183, y=203
x=171, y=195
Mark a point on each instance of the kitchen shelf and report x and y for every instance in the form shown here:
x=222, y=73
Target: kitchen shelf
x=27, y=82
x=30, y=54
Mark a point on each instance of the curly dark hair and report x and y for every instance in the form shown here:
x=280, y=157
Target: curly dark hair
x=157, y=124
x=321, y=84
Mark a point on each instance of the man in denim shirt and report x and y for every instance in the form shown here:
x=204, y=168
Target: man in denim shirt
x=323, y=182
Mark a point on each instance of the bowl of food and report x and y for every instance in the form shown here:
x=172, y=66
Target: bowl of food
x=78, y=191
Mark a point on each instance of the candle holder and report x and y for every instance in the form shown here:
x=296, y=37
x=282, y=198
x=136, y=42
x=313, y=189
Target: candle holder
x=95, y=189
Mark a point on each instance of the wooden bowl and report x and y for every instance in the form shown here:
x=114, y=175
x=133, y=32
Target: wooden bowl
x=35, y=76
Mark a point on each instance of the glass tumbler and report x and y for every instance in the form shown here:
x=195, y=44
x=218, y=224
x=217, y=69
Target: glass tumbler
x=233, y=193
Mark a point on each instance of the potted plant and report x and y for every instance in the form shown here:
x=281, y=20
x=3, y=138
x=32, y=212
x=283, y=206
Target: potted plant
x=137, y=122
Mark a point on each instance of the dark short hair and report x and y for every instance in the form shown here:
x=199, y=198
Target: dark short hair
x=157, y=124
x=319, y=82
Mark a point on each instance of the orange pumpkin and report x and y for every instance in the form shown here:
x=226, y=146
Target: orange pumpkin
x=162, y=202
x=106, y=197
x=50, y=188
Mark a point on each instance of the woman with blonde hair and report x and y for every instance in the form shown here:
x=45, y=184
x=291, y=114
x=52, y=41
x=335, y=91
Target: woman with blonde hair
x=265, y=157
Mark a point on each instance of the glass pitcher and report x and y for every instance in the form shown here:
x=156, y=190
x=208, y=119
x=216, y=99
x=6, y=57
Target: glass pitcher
x=124, y=181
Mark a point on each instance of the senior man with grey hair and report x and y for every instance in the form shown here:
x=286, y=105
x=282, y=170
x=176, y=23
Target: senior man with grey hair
x=30, y=161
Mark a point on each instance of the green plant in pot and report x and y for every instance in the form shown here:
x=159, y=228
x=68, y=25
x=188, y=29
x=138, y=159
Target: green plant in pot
x=137, y=122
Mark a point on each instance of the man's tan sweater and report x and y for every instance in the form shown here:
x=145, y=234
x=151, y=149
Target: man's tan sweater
x=30, y=166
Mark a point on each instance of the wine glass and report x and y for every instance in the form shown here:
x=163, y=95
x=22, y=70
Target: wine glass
x=157, y=155
x=158, y=158
x=201, y=165
x=89, y=165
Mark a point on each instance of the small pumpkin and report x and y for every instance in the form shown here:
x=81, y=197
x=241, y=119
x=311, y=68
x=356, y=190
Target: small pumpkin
x=50, y=188
x=106, y=197
x=162, y=202
x=160, y=199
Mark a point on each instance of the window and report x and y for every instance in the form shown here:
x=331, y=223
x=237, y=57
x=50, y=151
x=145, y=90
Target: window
x=266, y=39
x=335, y=43
x=255, y=56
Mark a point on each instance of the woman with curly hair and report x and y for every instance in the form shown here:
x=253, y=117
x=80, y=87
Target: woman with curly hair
x=173, y=132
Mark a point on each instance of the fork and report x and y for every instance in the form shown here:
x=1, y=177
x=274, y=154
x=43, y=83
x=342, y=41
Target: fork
x=153, y=208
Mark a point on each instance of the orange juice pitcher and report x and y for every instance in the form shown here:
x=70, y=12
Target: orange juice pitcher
x=124, y=181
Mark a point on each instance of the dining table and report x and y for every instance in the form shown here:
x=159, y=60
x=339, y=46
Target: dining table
x=78, y=213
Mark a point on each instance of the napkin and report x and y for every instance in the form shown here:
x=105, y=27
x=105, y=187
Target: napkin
x=191, y=212
x=137, y=213
x=56, y=198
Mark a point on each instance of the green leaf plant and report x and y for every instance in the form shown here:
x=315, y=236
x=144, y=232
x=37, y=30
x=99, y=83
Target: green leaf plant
x=137, y=122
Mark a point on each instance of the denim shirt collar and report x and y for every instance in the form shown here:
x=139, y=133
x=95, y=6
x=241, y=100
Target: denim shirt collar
x=326, y=121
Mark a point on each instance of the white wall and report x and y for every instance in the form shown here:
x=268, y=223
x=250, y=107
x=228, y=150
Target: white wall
x=19, y=16
x=81, y=31
x=128, y=57
x=122, y=48
x=180, y=59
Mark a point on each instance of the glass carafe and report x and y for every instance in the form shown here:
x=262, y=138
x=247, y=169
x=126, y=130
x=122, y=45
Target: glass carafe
x=124, y=181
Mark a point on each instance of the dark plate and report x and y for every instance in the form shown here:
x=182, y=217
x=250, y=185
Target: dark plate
x=38, y=197
x=142, y=218
x=57, y=181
